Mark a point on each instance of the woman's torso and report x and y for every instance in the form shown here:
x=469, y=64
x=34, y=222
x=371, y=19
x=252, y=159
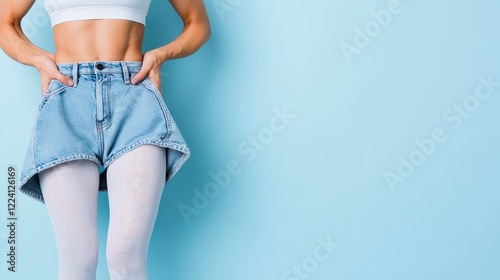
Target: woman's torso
x=103, y=39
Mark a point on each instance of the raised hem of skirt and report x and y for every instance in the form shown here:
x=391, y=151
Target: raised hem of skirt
x=182, y=148
x=35, y=171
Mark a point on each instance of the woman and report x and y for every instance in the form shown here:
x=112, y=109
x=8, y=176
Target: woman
x=102, y=125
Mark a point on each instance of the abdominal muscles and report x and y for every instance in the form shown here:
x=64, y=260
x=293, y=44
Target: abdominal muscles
x=98, y=40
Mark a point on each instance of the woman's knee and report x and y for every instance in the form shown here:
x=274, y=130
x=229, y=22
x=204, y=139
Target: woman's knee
x=126, y=257
x=79, y=258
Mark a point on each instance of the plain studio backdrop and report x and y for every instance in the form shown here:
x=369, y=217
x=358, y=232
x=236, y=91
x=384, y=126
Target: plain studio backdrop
x=346, y=140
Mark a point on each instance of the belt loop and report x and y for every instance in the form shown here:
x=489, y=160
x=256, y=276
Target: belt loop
x=126, y=74
x=75, y=74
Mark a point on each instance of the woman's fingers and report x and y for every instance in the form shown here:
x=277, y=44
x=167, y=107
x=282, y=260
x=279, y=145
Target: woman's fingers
x=143, y=73
x=151, y=64
x=63, y=79
x=140, y=76
x=58, y=76
x=45, y=87
x=55, y=74
x=155, y=79
x=49, y=71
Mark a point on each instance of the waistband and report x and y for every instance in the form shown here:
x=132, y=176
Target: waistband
x=74, y=70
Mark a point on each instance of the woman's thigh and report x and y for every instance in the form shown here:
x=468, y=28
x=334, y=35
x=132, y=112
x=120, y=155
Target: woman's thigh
x=135, y=186
x=71, y=190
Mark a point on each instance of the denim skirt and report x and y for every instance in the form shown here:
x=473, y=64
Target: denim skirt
x=101, y=117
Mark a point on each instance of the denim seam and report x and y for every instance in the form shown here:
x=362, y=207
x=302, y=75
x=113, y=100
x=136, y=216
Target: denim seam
x=84, y=72
x=33, y=194
x=35, y=125
x=100, y=138
x=57, y=161
x=50, y=164
x=185, y=155
x=165, y=144
x=107, y=121
x=159, y=98
x=53, y=92
x=43, y=102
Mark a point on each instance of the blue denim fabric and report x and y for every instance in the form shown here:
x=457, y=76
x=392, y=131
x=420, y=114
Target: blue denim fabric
x=100, y=118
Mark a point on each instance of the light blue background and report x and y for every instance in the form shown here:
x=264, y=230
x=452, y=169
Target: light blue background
x=323, y=174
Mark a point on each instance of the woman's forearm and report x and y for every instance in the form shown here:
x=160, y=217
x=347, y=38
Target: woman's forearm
x=17, y=46
x=192, y=37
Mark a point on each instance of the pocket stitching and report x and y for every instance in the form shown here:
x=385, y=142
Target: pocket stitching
x=159, y=98
x=52, y=91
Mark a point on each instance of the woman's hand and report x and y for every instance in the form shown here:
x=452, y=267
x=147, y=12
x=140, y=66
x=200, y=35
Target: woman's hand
x=195, y=33
x=151, y=67
x=48, y=71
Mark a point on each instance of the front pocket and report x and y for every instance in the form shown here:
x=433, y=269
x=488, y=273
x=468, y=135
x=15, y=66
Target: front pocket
x=150, y=82
x=54, y=87
x=149, y=85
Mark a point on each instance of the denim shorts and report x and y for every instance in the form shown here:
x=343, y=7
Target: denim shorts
x=101, y=117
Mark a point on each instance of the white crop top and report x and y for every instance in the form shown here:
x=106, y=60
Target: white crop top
x=68, y=10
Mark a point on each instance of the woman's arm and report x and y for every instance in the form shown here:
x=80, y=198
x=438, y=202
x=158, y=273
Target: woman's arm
x=196, y=30
x=19, y=47
x=195, y=33
x=12, y=39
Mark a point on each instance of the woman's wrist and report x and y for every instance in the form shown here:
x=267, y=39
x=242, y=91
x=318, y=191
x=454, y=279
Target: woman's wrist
x=33, y=56
x=37, y=60
x=163, y=53
x=194, y=35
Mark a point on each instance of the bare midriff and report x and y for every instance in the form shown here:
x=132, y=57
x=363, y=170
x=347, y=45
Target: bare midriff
x=98, y=40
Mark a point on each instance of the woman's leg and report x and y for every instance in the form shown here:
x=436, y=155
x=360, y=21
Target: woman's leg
x=135, y=186
x=70, y=192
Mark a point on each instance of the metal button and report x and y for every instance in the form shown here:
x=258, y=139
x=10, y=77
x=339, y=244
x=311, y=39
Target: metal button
x=100, y=66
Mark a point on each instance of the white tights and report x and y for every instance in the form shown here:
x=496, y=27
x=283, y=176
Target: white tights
x=135, y=186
